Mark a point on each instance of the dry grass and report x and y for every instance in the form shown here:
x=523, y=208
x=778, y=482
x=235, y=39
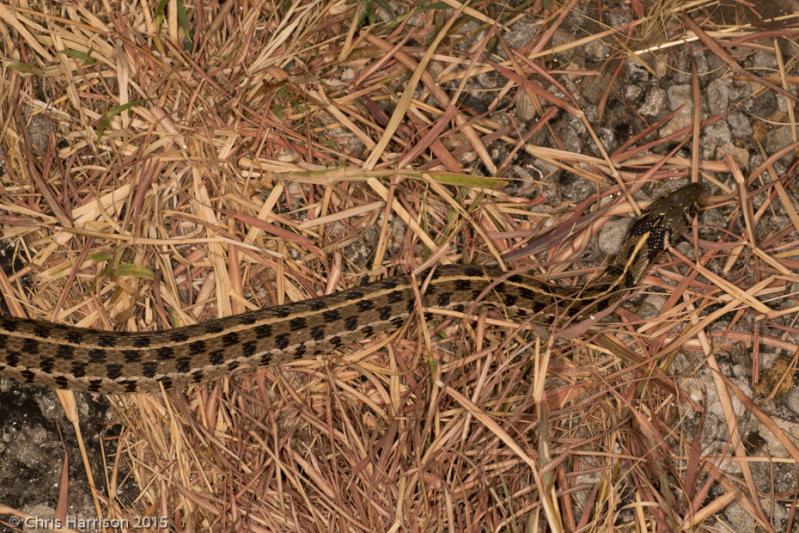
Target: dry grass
x=155, y=177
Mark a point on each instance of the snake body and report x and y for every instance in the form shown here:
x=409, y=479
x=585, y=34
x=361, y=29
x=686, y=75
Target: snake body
x=69, y=357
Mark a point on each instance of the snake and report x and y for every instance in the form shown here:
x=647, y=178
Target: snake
x=90, y=360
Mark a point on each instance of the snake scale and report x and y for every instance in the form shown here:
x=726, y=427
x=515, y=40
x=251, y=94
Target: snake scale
x=69, y=357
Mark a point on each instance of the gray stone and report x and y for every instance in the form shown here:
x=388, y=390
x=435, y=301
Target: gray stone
x=739, y=518
x=612, y=234
x=571, y=132
x=718, y=96
x=655, y=103
x=608, y=138
x=597, y=50
x=713, y=136
x=740, y=155
x=679, y=96
x=521, y=32
x=764, y=60
x=593, y=91
x=739, y=124
x=633, y=92
x=777, y=138
x=680, y=120
x=636, y=73
x=791, y=400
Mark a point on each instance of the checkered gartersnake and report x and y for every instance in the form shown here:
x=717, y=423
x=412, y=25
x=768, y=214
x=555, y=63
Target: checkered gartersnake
x=64, y=356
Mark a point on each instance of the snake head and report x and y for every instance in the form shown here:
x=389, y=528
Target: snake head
x=667, y=216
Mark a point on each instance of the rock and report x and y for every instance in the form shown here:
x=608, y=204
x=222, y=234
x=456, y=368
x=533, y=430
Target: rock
x=763, y=105
x=778, y=138
x=679, y=97
x=597, y=50
x=612, y=234
x=739, y=124
x=681, y=119
x=651, y=306
x=739, y=518
x=636, y=73
x=39, y=129
x=695, y=387
x=655, y=103
x=608, y=138
x=718, y=96
x=593, y=91
x=633, y=92
x=764, y=60
x=561, y=37
x=791, y=400
x=571, y=132
x=714, y=136
x=521, y=32
x=740, y=155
